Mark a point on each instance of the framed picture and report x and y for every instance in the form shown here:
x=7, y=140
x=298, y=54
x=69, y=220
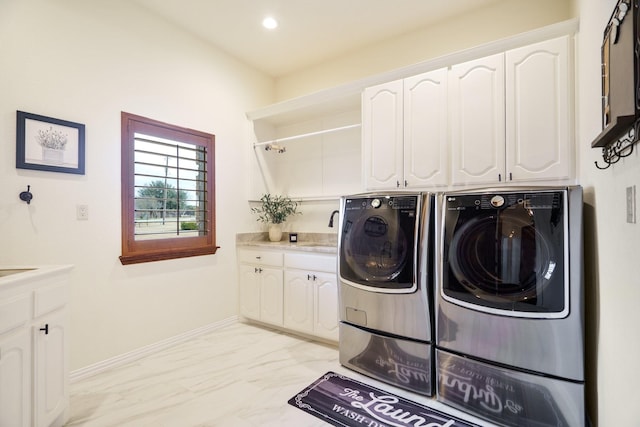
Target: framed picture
x=48, y=144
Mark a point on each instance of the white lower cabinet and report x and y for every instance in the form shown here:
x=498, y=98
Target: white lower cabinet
x=302, y=298
x=325, y=313
x=299, y=300
x=311, y=294
x=15, y=380
x=34, y=370
x=50, y=367
x=261, y=285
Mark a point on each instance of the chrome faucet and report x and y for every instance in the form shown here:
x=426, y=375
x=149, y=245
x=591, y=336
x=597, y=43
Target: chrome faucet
x=331, y=218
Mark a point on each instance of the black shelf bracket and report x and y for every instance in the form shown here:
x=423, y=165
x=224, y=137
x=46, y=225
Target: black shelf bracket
x=621, y=148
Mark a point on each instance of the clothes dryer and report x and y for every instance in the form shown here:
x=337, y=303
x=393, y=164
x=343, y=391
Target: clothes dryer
x=510, y=323
x=385, y=285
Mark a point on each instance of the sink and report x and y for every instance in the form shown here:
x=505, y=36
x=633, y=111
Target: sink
x=9, y=271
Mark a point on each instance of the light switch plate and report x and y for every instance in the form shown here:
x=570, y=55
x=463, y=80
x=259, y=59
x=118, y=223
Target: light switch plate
x=631, y=204
x=82, y=212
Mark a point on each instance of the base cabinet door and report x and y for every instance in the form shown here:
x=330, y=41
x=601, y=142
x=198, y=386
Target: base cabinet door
x=326, y=306
x=15, y=380
x=249, y=292
x=298, y=301
x=50, y=368
x=271, y=296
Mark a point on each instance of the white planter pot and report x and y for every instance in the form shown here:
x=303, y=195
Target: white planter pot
x=275, y=232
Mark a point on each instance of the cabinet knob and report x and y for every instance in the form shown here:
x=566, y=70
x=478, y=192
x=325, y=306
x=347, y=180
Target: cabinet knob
x=45, y=329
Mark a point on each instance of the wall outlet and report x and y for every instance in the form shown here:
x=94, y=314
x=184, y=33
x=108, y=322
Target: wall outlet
x=82, y=212
x=631, y=204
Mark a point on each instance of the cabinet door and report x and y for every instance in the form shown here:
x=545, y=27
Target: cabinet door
x=539, y=132
x=15, y=380
x=271, y=296
x=382, y=136
x=326, y=306
x=425, y=129
x=298, y=300
x=50, y=368
x=249, y=291
x=477, y=121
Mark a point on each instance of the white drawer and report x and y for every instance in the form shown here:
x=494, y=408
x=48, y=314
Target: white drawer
x=260, y=257
x=311, y=262
x=50, y=298
x=14, y=313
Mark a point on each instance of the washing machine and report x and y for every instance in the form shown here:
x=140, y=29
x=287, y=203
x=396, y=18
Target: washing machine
x=385, y=283
x=509, y=305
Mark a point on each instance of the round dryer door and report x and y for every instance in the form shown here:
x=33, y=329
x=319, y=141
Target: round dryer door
x=378, y=242
x=376, y=249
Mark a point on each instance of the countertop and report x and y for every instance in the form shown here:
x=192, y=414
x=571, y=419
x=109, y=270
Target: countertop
x=17, y=274
x=326, y=243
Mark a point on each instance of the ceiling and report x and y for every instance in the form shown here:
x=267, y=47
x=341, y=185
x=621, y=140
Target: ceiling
x=310, y=31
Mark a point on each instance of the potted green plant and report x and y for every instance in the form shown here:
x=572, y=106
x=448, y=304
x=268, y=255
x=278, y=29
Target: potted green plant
x=274, y=211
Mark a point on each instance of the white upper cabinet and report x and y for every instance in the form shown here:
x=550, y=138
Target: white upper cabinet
x=511, y=116
x=382, y=129
x=477, y=120
x=538, y=99
x=425, y=129
x=500, y=113
x=404, y=132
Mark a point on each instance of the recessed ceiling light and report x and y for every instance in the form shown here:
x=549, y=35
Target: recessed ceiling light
x=270, y=23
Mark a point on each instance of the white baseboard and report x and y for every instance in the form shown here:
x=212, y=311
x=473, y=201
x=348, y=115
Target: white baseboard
x=141, y=352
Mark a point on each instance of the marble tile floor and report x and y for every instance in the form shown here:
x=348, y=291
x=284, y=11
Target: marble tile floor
x=238, y=376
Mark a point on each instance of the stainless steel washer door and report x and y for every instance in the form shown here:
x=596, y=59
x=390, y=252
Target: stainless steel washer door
x=506, y=253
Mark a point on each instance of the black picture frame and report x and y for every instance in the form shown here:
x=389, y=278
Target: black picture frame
x=48, y=144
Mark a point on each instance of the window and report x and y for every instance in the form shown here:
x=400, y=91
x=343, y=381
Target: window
x=168, y=191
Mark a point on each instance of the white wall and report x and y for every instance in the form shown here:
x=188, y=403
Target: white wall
x=501, y=19
x=86, y=62
x=611, y=244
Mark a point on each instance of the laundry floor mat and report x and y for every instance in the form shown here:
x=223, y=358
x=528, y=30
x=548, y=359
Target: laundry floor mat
x=342, y=401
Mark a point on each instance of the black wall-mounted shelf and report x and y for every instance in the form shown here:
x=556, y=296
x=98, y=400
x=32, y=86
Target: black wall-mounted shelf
x=621, y=148
x=620, y=83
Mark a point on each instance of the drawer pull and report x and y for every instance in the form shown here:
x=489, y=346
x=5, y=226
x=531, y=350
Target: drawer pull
x=45, y=329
